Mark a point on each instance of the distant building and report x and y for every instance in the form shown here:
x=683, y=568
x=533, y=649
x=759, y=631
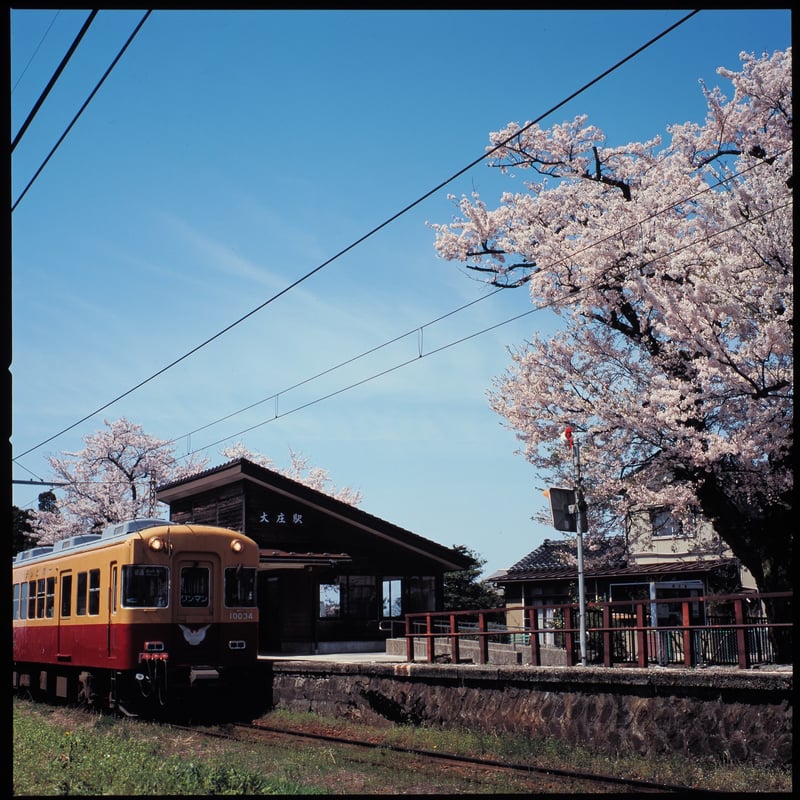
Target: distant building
x=658, y=559
x=332, y=577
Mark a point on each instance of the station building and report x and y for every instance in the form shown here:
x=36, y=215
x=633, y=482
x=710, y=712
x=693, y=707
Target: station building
x=332, y=578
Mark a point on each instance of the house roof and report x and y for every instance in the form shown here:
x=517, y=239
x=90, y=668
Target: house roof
x=242, y=469
x=557, y=560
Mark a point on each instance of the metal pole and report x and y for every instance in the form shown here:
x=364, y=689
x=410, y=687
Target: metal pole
x=576, y=453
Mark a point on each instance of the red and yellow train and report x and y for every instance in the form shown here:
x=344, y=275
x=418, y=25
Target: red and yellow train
x=138, y=614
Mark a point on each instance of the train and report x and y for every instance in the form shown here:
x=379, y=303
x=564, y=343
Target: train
x=137, y=617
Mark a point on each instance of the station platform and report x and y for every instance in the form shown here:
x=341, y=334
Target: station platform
x=336, y=658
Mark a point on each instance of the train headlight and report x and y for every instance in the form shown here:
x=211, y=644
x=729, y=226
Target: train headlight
x=237, y=545
x=156, y=543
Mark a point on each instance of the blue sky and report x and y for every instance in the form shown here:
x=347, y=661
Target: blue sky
x=231, y=153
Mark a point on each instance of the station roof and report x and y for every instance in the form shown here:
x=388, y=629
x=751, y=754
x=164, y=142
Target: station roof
x=242, y=469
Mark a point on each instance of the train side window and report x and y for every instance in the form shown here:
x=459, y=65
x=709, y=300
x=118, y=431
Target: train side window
x=23, y=600
x=144, y=586
x=50, y=598
x=40, y=596
x=94, y=591
x=114, y=589
x=194, y=587
x=80, y=598
x=66, y=595
x=240, y=586
x=16, y=601
x=31, y=599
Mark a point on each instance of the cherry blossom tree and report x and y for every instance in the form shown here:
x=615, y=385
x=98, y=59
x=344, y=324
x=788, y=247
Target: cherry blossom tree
x=298, y=470
x=110, y=480
x=670, y=267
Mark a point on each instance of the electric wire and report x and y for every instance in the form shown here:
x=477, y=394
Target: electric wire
x=559, y=262
x=36, y=50
x=475, y=334
x=363, y=238
x=420, y=328
x=416, y=359
x=81, y=110
x=43, y=96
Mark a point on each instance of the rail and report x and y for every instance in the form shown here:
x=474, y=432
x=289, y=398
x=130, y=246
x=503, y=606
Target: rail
x=713, y=630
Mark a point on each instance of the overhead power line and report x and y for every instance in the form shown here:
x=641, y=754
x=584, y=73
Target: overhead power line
x=81, y=110
x=36, y=50
x=43, y=96
x=361, y=239
x=462, y=339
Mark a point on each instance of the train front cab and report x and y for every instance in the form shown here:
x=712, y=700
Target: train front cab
x=137, y=617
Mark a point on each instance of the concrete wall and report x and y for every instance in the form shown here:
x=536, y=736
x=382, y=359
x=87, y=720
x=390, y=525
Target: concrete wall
x=726, y=715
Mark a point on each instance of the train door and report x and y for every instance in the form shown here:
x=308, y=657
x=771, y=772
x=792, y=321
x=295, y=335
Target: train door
x=113, y=594
x=64, y=611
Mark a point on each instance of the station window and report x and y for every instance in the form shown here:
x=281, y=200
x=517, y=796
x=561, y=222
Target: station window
x=392, y=597
x=350, y=597
x=330, y=600
x=144, y=586
x=240, y=586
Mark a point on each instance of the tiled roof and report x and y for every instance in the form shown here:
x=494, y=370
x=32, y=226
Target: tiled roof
x=554, y=555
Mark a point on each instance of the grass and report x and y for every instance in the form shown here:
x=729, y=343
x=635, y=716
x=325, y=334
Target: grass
x=61, y=751
x=555, y=753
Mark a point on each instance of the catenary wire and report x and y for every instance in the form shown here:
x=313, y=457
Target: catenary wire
x=419, y=328
x=416, y=359
x=81, y=109
x=43, y=96
x=475, y=334
x=36, y=50
x=361, y=239
x=614, y=234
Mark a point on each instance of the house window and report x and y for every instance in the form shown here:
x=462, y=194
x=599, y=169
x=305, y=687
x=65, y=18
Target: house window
x=664, y=524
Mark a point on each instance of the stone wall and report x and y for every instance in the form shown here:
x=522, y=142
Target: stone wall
x=726, y=715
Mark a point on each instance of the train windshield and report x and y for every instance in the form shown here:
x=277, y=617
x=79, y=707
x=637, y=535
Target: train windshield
x=240, y=586
x=145, y=586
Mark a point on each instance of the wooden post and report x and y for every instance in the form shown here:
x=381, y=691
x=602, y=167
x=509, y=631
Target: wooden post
x=608, y=656
x=741, y=633
x=533, y=626
x=641, y=635
x=429, y=637
x=568, y=635
x=483, y=640
x=455, y=656
x=686, y=620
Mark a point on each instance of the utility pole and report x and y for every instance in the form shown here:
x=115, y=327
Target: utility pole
x=579, y=510
x=579, y=517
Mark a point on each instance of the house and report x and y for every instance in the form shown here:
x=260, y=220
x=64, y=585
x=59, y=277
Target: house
x=332, y=577
x=658, y=558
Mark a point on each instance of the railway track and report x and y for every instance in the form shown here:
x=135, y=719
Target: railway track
x=571, y=780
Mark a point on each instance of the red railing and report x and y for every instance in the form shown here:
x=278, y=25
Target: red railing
x=730, y=630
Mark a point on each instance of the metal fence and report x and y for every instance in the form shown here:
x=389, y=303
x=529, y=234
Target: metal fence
x=713, y=630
